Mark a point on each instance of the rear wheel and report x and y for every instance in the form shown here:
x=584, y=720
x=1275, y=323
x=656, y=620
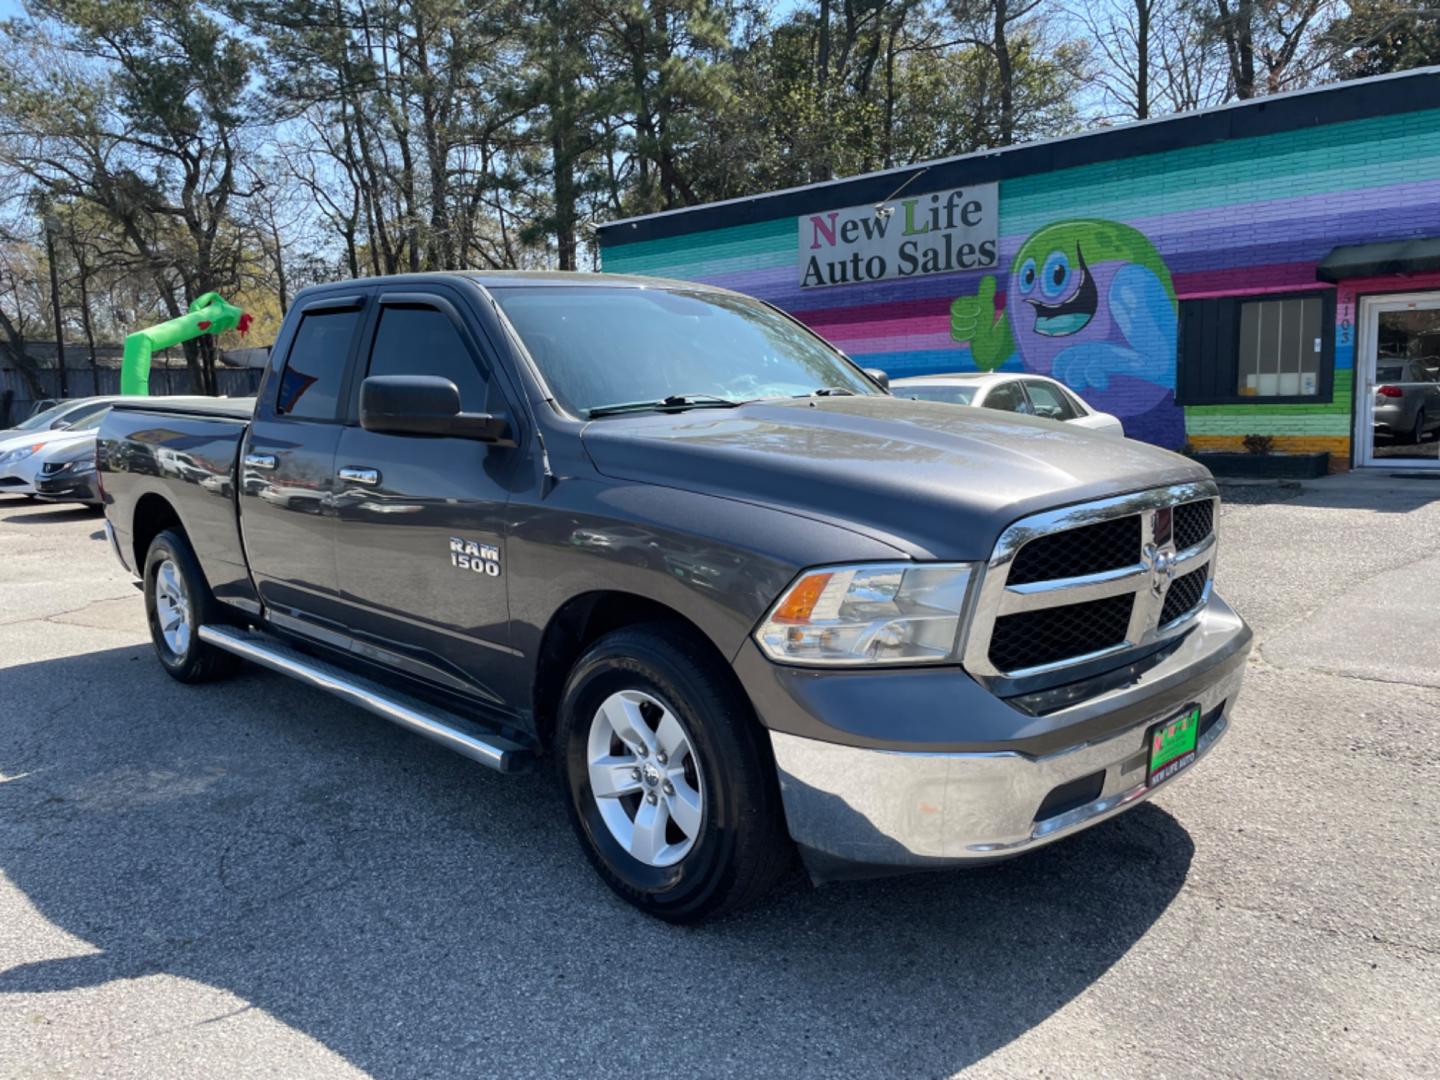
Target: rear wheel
x=177, y=604
x=670, y=783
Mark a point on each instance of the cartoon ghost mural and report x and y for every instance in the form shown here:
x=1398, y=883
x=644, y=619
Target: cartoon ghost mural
x=1090, y=303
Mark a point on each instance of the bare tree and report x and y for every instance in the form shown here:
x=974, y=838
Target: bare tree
x=1274, y=45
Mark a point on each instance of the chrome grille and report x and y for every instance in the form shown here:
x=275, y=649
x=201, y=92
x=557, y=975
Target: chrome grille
x=1193, y=523
x=1030, y=639
x=1089, y=549
x=1184, y=595
x=1085, y=582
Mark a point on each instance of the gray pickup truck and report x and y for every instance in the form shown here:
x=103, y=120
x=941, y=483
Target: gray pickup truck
x=662, y=534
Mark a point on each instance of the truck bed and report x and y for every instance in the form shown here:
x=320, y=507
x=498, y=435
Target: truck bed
x=239, y=408
x=162, y=459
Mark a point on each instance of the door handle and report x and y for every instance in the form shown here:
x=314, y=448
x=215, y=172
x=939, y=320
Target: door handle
x=357, y=475
x=260, y=461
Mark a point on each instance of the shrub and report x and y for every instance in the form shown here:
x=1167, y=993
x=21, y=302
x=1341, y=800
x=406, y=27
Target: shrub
x=1259, y=444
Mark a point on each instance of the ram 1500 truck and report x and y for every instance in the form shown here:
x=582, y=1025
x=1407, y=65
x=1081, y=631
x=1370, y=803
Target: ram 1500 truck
x=664, y=536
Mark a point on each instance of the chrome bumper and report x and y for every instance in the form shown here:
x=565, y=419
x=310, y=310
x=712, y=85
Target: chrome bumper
x=851, y=807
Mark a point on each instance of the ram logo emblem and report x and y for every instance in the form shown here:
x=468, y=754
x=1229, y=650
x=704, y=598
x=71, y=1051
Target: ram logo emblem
x=475, y=556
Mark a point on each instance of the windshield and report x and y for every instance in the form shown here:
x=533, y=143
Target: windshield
x=955, y=395
x=45, y=417
x=599, y=347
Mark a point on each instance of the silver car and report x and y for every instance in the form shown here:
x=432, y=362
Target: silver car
x=1407, y=399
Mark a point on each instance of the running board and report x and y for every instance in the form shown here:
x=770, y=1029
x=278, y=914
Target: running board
x=436, y=724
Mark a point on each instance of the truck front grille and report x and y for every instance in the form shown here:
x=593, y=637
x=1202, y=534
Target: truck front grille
x=1194, y=522
x=1090, y=549
x=1035, y=638
x=1085, y=582
x=1184, y=595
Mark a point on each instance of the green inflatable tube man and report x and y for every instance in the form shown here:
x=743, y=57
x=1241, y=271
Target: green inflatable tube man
x=208, y=314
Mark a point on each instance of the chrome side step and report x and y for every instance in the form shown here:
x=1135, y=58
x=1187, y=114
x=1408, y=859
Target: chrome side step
x=436, y=724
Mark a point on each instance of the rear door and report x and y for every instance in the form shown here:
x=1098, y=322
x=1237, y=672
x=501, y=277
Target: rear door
x=287, y=466
x=420, y=542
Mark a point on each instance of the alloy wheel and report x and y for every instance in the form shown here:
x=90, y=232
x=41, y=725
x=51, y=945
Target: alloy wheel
x=172, y=607
x=645, y=777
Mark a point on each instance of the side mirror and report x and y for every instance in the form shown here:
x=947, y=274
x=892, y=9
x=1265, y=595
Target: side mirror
x=425, y=405
x=879, y=376
x=60, y=425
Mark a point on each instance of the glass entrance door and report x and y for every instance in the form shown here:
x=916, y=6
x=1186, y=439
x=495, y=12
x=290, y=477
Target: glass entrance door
x=1398, y=402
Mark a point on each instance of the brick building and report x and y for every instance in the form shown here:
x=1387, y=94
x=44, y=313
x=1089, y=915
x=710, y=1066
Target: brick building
x=1271, y=267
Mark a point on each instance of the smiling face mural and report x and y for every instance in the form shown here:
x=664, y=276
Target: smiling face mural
x=1090, y=303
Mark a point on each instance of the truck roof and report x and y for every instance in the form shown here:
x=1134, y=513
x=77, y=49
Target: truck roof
x=500, y=279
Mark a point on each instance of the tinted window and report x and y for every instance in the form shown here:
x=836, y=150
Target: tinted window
x=91, y=420
x=1007, y=398
x=310, y=383
x=1050, y=401
x=423, y=341
x=954, y=395
x=600, y=346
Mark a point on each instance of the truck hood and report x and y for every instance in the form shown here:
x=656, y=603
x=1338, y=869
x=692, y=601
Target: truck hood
x=932, y=479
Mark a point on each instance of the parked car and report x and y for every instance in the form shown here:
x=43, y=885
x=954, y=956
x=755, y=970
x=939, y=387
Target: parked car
x=22, y=456
x=59, y=415
x=1029, y=395
x=741, y=597
x=43, y=404
x=66, y=472
x=1407, y=399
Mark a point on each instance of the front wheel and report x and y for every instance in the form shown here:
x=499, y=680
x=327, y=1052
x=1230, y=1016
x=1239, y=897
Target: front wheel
x=670, y=783
x=177, y=604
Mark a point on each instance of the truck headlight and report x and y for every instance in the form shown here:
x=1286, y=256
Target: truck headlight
x=871, y=613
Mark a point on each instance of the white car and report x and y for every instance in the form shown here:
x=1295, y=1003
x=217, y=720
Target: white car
x=61, y=414
x=1017, y=392
x=23, y=456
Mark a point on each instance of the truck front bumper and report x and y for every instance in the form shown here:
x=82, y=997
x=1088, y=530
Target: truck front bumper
x=863, y=810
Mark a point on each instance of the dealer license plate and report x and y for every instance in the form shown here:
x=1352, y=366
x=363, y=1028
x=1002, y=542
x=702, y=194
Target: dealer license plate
x=1172, y=745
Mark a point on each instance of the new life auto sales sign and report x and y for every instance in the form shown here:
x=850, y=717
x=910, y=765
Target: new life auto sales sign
x=939, y=233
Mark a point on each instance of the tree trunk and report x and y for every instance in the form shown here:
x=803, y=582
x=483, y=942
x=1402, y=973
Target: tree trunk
x=1142, y=59
x=1005, y=72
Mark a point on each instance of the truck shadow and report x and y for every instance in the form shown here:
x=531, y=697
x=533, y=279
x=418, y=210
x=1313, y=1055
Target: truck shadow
x=383, y=896
x=43, y=513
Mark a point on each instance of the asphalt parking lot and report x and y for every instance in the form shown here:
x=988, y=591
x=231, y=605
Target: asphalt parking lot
x=250, y=879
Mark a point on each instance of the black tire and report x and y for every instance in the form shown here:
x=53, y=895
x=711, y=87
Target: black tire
x=196, y=661
x=742, y=848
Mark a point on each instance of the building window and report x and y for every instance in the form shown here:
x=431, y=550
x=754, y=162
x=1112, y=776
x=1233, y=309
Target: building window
x=1239, y=349
x=1280, y=345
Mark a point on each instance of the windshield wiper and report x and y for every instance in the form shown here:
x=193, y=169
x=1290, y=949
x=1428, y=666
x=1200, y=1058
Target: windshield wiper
x=829, y=391
x=665, y=404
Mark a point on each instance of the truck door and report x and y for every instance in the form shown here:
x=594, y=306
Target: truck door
x=287, y=466
x=420, y=538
